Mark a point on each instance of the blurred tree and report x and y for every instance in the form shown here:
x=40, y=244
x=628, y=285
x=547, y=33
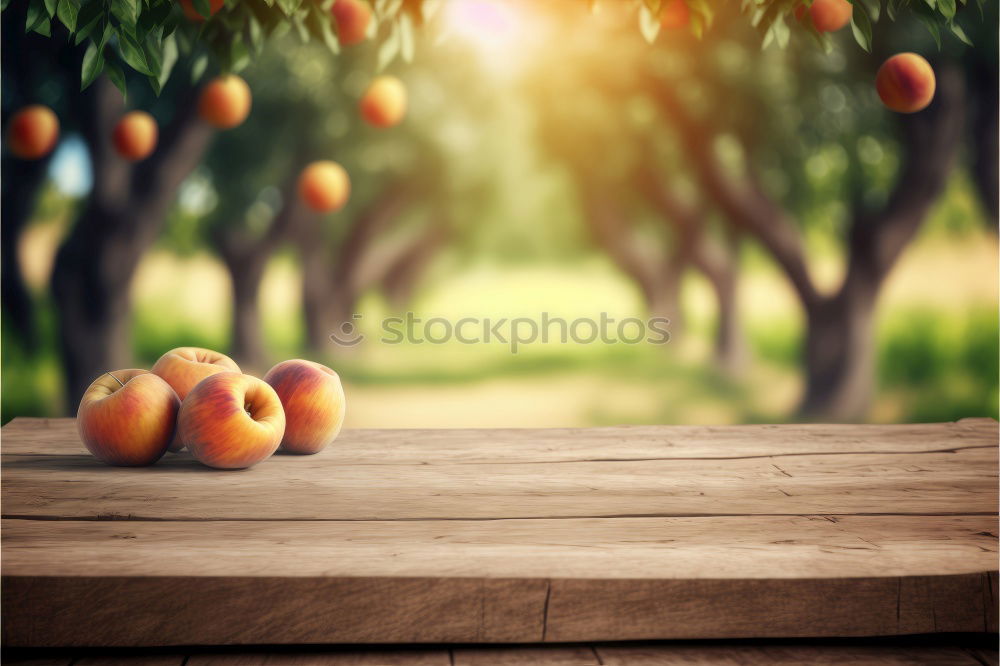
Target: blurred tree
x=305, y=101
x=838, y=351
x=743, y=127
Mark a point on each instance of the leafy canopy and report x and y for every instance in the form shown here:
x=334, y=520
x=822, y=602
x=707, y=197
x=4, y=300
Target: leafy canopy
x=149, y=36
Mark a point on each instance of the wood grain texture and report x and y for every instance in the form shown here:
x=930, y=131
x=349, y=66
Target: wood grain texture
x=716, y=653
x=586, y=548
x=506, y=536
x=373, y=657
x=956, y=473
x=777, y=655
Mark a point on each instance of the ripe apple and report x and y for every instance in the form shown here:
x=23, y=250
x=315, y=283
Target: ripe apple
x=324, y=186
x=225, y=102
x=905, y=83
x=135, y=135
x=830, y=15
x=351, y=19
x=674, y=14
x=32, y=132
x=384, y=103
x=314, y=404
x=231, y=421
x=184, y=367
x=127, y=417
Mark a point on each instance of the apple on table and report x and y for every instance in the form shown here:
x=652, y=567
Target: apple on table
x=231, y=421
x=314, y=403
x=128, y=417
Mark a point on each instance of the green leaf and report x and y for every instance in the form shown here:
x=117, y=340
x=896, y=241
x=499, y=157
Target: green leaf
x=387, y=9
x=873, y=7
x=406, y=47
x=781, y=33
x=319, y=26
x=170, y=55
x=117, y=76
x=4, y=4
x=931, y=3
x=89, y=18
x=198, y=67
x=388, y=50
x=649, y=25
x=239, y=56
x=50, y=7
x=44, y=27
x=289, y=7
x=36, y=14
x=152, y=48
x=947, y=8
x=861, y=27
x=93, y=63
x=68, y=11
x=957, y=30
x=133, y=54
x=126, y=11
x=932, y=27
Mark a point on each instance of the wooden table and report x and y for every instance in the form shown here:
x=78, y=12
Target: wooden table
x=507, y=536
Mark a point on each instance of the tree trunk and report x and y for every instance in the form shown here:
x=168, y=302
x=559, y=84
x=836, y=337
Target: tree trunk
x=316, y=286
x=401, y=277
x=330, y=289
x=90, y=284
x=840, y=355
x=730, y=343
x=840, y=345
x=94, y=266
x=21, y=181
x=246, y=264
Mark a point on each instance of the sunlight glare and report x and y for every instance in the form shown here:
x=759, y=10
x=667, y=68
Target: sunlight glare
x=501, y=32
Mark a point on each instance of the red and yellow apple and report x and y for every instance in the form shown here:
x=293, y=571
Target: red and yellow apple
x=231, y=421
x=830, y=15
x=225, y=102
x=351, y=19
x=906, y=83
x=384, y=103
x=135, y=135
x=314, y=404
x=184, y=367
x=674, y=14
x=127, y=417
x=32, y=132
x=324, y=186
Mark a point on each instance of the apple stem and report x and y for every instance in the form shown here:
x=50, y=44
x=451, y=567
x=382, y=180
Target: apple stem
x=114, y=378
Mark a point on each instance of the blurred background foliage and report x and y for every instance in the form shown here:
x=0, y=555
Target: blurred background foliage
x=516, y=186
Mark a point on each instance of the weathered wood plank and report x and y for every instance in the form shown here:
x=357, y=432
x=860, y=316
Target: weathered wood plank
x=131, y=660
x=518, y=656
x=768, y=655
x=554, y=445
x=235, y=611
x=375, y=657
x=634, y=548
x=508, y=536
x=146, y=611
x=643, y=610
x=319, y=488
